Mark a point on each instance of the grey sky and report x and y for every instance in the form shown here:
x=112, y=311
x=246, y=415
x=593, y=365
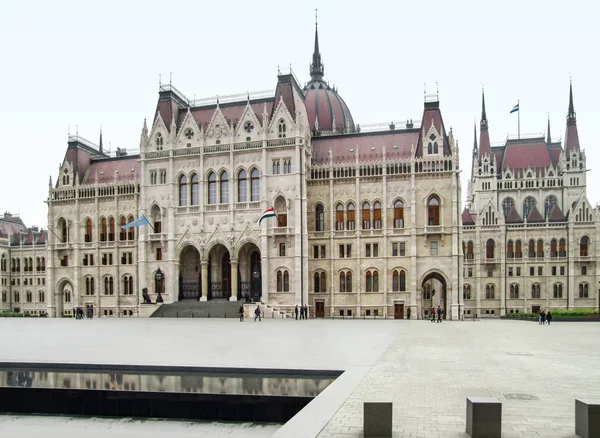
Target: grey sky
x=76, y=63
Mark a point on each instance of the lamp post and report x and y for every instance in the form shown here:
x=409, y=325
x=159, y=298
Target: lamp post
x=159, y=278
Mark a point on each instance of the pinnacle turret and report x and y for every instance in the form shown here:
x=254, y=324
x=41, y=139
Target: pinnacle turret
x=317, y=69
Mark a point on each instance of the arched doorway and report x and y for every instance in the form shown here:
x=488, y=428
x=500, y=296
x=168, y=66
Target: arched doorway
x=189, y=274
x=219, y=273
x=249, y=273
x=434, y=294
x=64, y=299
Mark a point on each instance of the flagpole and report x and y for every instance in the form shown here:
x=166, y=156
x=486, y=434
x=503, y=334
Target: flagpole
x=519, y=119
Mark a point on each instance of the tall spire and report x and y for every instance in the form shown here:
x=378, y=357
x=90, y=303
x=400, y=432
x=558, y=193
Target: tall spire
x=571, y=114
x=100, y=143
x=475, y=148
x=548, y=136
x=484, y=139
x=572, y=136
x=484, y=121
x=316, y=67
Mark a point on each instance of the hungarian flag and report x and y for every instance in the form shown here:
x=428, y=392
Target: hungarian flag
x=269, y=212
x=515, y=109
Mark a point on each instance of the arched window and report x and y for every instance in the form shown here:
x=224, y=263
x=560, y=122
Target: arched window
x=583, y=246
x=156, y=218
x=131, y=230
x=348, y=281
x=316, y=282
x=108, y=285
x=279, y=281
x=319, y=218
x=4, y=297
x=286, y=281
x=224, y=195
x=128, y=285
x=43, y=263
x=339, y=217
x=531, y=248
x=62, y=226
x=366, y=216
x=540, y=248
x=430, y=148
x=183, y=191
x=369, y=282
x=510, y=250
x=489, y=249
x=254, y=185
x=28, y=296
x=470, y=254
x=159, y=141
x=195, y=189
x=242, y=186
x=553, y=248
x=17, y=296
x=489, y=291
x=395, y=281
x=507, y=204
x=562, y=248
x=89, y=286
x=103, y=230
x=3, y=263
x=377, y=215
x=375, y=281
x=323, y=282
x=342, y=282
x=584, y=290
x=535, y=291
x=282, y=129
x=88, y=230
x=212, y=188
x=398, y=214
x=558, y=290
x=528, y=205
x=41, y=296
x=514, y=291
x=351, y=217
x=433, y=211
x=427, y=291
x=111, y=229
x=122, y=231
x=467, y=292
x=402, y=281
x=550, y=201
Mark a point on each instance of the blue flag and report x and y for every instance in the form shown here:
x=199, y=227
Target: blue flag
x=136, y=223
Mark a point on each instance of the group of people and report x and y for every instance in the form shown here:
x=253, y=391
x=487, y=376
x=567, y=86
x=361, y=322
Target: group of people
x=78, y=312
x=544, y=317
x=439, y=312
x=257, y=313
x=302, y=311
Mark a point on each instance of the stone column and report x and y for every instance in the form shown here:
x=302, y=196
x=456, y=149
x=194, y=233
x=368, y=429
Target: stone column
x=204, y=271
x=234, y=280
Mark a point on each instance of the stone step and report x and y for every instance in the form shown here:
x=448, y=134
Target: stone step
x=199, y=309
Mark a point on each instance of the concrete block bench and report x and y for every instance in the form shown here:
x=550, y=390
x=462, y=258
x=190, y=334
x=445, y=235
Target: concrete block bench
x=587, y=418
x=377, y=420
x=484, y=417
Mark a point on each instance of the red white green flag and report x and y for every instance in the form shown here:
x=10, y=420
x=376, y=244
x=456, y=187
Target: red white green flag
x=269, y=212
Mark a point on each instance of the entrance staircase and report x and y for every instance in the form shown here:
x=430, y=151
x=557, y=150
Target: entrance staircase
x=213, y=309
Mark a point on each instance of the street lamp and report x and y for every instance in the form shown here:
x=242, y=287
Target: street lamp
x=159, y=278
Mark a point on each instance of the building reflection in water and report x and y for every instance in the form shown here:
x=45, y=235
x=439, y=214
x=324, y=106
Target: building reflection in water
x=303, y=386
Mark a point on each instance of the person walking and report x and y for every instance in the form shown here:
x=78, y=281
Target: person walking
x=296, y=311
x=543, y=318
x=241, y=312
x=549, y=317
x=433, y=314
x=306, y=311
x=439, y=313
x=257, y=313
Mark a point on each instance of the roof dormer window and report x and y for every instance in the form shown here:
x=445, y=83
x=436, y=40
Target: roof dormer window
x=159, y=141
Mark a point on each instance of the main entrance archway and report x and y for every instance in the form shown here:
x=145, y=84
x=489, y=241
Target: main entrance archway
x=189, y=274
x=433, y=294
x=219, y=273
x=249, y=273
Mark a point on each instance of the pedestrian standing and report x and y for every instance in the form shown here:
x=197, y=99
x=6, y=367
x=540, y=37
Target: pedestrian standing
x=439, y=313
x=549, y=317
x=543, y=318
x=433, y=314
x=241, y=311
x=296, y=311
x=257, y=313
x=540, y=318
x=306, y=311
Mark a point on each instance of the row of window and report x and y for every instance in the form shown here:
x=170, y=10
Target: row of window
x=107, y=259
x=345, y=250
x=371, y=281
x=28, y=296
x=468, y=272
x=536, y=249
x=557, y=291
x=287, y=166
x=28, y=265
x=108, y=285
x=345, y=216
x=218, y=188
x=107, y=228
x=26, y=281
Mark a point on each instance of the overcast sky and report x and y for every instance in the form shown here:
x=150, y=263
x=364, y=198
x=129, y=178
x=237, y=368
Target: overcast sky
x=68, y=63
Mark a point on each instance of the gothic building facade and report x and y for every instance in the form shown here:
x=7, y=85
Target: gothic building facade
x=529, y=232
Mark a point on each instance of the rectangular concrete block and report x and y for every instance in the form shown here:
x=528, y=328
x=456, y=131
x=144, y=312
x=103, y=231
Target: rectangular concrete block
x=377, y=421
x=587, y=418
x=484, y=417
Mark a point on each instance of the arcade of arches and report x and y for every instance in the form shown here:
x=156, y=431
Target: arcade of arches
x=220, y=276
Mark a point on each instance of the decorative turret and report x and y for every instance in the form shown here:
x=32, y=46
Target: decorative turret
x=317, y=70
x=144, y=136
x=475, y=148
x=572, y=136
x=548, y=136
x=100, y=142
x=484, y=139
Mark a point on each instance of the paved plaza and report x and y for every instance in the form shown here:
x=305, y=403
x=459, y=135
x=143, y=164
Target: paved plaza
x=426, y=369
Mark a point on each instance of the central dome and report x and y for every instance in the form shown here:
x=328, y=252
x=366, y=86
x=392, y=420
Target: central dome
x=326, y=110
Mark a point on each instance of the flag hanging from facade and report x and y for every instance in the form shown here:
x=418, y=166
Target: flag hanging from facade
x=269, y=212
x=136, y=223
x=515, y=109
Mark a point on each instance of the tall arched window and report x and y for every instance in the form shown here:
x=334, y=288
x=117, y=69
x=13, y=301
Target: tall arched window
x=467, y=292
x=195, y=189
x=351, y=217
x=111, y=229
x=528, y=205
x=518, y=250
x=470, y=254
x=282, y=129
x=122, y=232
x=89, y=286
x=255, y=185
x=490, y=291
x=183, y=191
x=562, y=248
x=212, y=188
x=323, y=282
x=279, y=281
x=535, y=291
x=395, y=281
x=558, y=290
x=366, y=216
x=375, y=281
x=369, y=282
x=41, y=296
x=224, y=195
x=489, y=249
x=103, y=230
x=583, y=246
x=317, y=282
x=510, y=250
x=402, y=281
x=531, y=248
x=339, y=217
x=348, y=281
x=433, y=211
x=131, y=230
x=88, y=230
x=342, y=282
x=377, y=215
x=319, y=218
x=398, y=214
x=242, y=186
x=62, y=226
x=553, y=248
x=514, y=291
x=108, y=285
x=507, y=204
x=286, y=281
x=128, y=285
x=540, y=248
x=159, y=141
x=584, y=290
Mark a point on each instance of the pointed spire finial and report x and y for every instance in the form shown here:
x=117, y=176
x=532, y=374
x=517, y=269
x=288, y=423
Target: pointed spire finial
x=571, y=114
x=100, y=143
x=317, y=69
x=484, y=121
x=548, y=136
x=475, y=148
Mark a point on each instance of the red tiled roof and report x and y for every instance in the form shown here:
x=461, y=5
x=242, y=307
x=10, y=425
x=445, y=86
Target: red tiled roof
x=103, y=171
x=534, y=215
x=323, y=103
x=369, y=146
x=555, y=152
x=284, y=92
x=571, y=138
x=555, y=214
x=168, y=109
x=432, y=115
x=513, y=217
x=467, y=219
x=484, y=143
x=522, y=154
x=232, y=113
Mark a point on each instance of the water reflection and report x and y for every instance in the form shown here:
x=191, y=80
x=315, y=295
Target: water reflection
x=250, y=384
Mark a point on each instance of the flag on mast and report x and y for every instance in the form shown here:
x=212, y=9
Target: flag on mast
x=269, y=212
x=515, y=109
x=142, y=220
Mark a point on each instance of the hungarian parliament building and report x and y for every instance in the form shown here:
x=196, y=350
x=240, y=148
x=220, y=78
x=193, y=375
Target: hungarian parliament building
x=369, y=221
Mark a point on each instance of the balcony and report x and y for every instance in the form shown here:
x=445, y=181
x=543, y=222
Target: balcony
x=246, y=205
x=281, y=231
x=583, y=258
x=154, y=236
x=61, y=246
x=433, y=229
